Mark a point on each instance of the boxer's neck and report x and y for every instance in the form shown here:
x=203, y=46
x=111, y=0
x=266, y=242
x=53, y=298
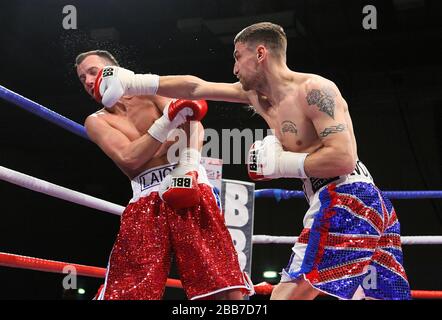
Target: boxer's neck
x=275, y=81
x=121, y=106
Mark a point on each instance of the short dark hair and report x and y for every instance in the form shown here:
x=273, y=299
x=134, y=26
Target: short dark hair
x=272, y=35
x=106, y=55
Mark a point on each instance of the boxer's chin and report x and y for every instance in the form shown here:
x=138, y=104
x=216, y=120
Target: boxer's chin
x=245, y=86
x=90, y=93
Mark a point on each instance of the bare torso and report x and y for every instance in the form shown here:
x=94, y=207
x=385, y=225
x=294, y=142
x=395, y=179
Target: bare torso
x=288, y=118
x=133, y=120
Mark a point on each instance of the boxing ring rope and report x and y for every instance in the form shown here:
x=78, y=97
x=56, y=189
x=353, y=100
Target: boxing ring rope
x=281, y=194
x=42, y=112
x=37, y=264
x=56, y=191
x=29, y=182
x=405, y=240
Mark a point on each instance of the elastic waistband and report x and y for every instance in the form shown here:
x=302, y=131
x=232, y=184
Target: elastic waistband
x=149, y=180
x=360, y=174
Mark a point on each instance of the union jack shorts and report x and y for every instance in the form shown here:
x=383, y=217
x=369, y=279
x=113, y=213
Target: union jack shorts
x=350, y=246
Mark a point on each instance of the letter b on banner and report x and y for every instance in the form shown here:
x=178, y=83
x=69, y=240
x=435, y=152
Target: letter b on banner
x=240, y=243
x=238, y=202
x=236, y=212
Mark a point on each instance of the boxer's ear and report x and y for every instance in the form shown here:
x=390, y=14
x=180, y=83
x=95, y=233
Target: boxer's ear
x=261, y=53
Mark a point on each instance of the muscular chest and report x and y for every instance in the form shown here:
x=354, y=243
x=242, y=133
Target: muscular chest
x=137, y=119
x=291, y=126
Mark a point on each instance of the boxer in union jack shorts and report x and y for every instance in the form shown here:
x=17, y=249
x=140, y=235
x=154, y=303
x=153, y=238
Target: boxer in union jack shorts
x=350, y=246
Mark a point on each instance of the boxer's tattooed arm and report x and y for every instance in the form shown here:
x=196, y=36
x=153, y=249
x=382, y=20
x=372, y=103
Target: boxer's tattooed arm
x=288, y=126
x=323, y=99
x=333, y=129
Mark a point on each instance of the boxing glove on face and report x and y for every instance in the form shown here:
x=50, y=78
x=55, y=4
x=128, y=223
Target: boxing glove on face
x=113, y=82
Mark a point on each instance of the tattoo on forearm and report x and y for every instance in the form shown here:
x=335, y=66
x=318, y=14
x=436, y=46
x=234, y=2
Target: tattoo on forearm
x=324, y=99
x=288, y=126
x=333, y=129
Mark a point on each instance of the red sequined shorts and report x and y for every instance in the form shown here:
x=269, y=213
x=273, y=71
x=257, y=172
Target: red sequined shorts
x=150, y=231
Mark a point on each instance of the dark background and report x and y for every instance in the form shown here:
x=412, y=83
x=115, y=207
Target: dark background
x=391, y=78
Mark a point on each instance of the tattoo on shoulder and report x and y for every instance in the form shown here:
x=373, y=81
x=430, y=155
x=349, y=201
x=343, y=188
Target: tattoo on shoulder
x=333, y=129
x=323, y=99
x=288, y=126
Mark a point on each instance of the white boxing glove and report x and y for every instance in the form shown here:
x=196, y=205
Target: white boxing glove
x=113, y=82
x=268, y=160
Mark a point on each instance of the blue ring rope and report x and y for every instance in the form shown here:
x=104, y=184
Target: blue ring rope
x=281, y=194
x=42, y=112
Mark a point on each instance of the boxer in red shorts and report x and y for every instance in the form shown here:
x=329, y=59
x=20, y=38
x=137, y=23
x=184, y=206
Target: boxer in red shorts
x=174, y=208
